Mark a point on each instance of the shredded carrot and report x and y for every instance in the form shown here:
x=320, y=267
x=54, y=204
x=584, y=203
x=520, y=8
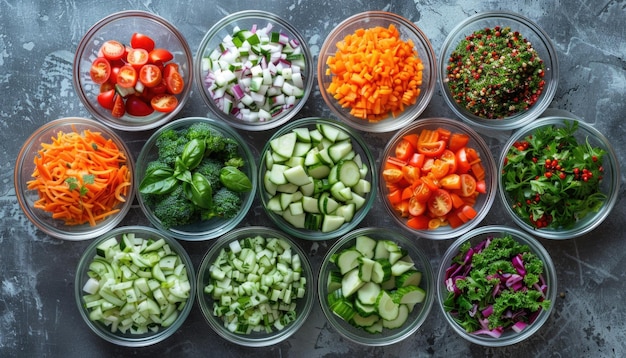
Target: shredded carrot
x=80, y=177
x=375, y=73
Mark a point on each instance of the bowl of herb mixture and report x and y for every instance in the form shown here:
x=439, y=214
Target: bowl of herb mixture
x=196, y=178
x=498, y=70
x=496, y=286
x=560, y=178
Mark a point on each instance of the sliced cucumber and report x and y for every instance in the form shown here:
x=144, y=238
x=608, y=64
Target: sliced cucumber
x=409, y=295
x=368, y=293
x=399, y=320
x=350, y=283
x=365, y=245
x=385, y=306
x=410, y=277
x=348, y=173
x=347, y=260
x=284, y=145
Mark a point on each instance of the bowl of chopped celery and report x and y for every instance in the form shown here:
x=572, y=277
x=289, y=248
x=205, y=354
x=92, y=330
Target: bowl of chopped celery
x=496, y=286
x=74, y=178
x=196, y=178
x=498, y=70
x=376, y=286
x=254, y=70
x=376, y=71
x=560, y=177
x=135, y=286
x=255, y=286
x=317, y=178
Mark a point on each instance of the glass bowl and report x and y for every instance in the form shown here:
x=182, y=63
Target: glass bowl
x=420, y=270
x=26, y=168
x=299, y=304
x=608, y=186
x=307, y=205
x=264, y=93
x=518, y=117
x=408, y=31
x=408, y=199
x=508, y=336
x=121, y=26
x=166, y=310
x=197, y=229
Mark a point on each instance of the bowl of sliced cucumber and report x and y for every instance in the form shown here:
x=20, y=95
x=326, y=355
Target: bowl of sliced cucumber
x=135, y=286
x=317, y=178
x=256, y=286
x=375, y=286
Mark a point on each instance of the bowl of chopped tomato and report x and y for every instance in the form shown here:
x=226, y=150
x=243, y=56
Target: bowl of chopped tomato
x=496, y=286
x=74, y=178
x=560, y=177
x=437, y=178
x=132, y=70
x=254, y=70
x=376, y=71
x=498, y=70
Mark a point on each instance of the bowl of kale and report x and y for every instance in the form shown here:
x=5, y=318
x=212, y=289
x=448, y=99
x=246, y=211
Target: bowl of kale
x=197, y=178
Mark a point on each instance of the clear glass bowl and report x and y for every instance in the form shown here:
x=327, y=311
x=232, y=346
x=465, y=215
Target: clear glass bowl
x=483, y=202
x=25, y=166
x=416, y=317
x=476, y=236
x=214, y=227
x=408, y=31
x=248, y=20
x=120, y=26
x=254, y=339
x=128, y=339
x=540, y=42
x=609, y=185
x=359, y=146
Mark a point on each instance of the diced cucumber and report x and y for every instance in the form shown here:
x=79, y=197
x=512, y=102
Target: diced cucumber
x=376, y=327
x=409, y=295
x=343, y=309
x=296, y=221
x=334, y=281
x=381, y=270
x=365, y=310
x=399, y=320
x=401, y=266
x=386, y=307
x=364, y=321
x=310, y=204
x=350, y=283
x=365, y=245
x=297, y=175
x=303, y=135
x=410, y=277
x=277, y=174
x=366, y=266
x=339, y=150
x=368, y=293
x=347, y=211
x=347, y=260
x=319, y=170
x=284, y=145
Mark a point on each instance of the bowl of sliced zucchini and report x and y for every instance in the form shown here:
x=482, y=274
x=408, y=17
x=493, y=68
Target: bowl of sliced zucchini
x=135, y=286
x=375, y=286
x=317, y=178
x=255, y=286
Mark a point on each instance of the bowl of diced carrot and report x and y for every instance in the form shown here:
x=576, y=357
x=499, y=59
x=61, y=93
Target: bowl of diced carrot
x=438, y=178
x=376, y=71
x=74, y=178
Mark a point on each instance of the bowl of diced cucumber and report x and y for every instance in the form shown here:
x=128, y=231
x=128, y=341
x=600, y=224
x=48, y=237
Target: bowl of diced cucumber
x=255, y=286
x=135, y=286
x=254, y=70
x=317, y=179
x=376, y=286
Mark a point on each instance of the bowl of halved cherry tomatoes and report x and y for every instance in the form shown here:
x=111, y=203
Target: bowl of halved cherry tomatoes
x=438, y=178
x=132, y=70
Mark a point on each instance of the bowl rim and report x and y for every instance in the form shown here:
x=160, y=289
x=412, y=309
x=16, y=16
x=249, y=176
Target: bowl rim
x=317, y=235
x=399, y=334
x=224, y=24
x=525, y=117
x=80, y=52
x=428, y=58
x=228, y=224
x=492, y=182
x=611, y=157
x=203, y=299
x=549, y=273
x=153, y=338
x=32, y=143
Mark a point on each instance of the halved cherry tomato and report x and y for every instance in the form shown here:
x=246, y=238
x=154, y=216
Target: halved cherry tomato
x=481, y=186
x=444, y=134
x=422, y=192
x=468, y=185
x=416, y=207
x=435, y=223
x=395, y=197
x=404, y=149
x=440, y=168
x=173, y=79
x=432, y=149
x=118, y=107
x=428, y=164
x=451, y=181
x=440, y=203
x=135, y=106
x=402, y=208
x=407, y=192
x=113, y=50
x=449, y=157
x=100, y=70
x=430, y=181
x=462, y=163
x=164, y=102
x=457, y=201
x=137, y=57
x=107, y=99
x=392, y=175
x=458, y=141
x=413, y=138
x=160, y=55
x=427, y=136
x=410, y=173
x=108, y=85
x=127, y=77
x=139, y=40
x=150, y=75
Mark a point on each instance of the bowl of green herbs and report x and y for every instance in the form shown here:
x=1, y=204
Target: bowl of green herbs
x=197, y=178
x=560, y=177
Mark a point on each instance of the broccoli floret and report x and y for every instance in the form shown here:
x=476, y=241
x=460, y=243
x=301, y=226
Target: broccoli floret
x=236, y=162
x=200, y=130
x=231, y=149
x=210, y=168
x=156, y=164
x=174, y=209
x=170, y=144
x=226, y=204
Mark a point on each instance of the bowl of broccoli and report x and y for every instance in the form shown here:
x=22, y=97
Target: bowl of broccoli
x=196, y=178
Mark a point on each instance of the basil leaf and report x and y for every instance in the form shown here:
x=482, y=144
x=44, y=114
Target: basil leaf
x=158, y=181
x=193, y=153
x=234, y=179
x=199, y=191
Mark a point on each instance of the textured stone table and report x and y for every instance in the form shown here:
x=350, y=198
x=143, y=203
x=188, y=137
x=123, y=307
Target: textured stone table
x=38, y=314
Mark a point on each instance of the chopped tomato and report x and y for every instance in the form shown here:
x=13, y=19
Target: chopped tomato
x=481, y=186
x=127, y=77
x=413, y=138
x=402, y=208
x=440, y=203
x=173, y=79
x=392, y=175
x=469, y=212
x=454, y=220
x=100, y=70
x=451, y=181
x=458, y=141
x=393, y=162
x=418, y=222
x=107, y=99
x=440, y=168
x=135, y=106
x=432, y=149
x=478, y=170
x=468, y=184
x=457, y=201
x=430, y=181
x=139, y=40
x=444, y=134
x=160, y=55
x=449, y=157
x=404, y=149
x=428, y=164
x=137, y=57
x=164, y=102
x=395, y=197
x=410, y=173
x=416, y=207
x=434, y=223
x=118, y=109
x=150, y=75
x=417, y=160
x=422, y=192
x=462, y=162
x=113, y=50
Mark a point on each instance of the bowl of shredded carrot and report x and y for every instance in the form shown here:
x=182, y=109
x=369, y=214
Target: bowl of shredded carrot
x=376, y=71
x=74, y=178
